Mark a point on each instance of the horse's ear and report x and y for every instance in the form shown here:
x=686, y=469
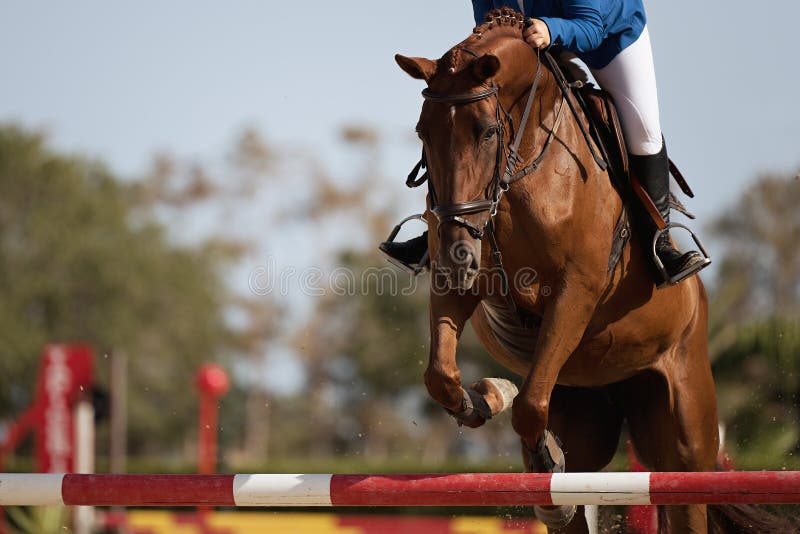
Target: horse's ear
x=485, y=67
x=417, y=67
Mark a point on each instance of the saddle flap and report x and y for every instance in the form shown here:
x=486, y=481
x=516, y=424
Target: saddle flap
x=604, y=114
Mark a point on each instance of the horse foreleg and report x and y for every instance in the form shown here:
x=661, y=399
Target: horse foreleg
x=483, y=399
x=563, y=326
x=448, y=315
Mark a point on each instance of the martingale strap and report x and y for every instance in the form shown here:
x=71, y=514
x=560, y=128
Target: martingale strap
x=514, y=157
x=505, y=286
x=563, y=84
x=533, y=165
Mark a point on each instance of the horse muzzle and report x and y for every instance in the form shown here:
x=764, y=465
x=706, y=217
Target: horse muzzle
x=459, y=263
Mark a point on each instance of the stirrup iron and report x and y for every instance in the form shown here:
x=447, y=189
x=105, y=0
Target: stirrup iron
x=411, y=268
x=678, y=277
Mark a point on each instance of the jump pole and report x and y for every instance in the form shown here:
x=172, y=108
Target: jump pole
x=465, y=489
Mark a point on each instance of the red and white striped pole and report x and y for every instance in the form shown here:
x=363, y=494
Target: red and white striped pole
x=467, y=489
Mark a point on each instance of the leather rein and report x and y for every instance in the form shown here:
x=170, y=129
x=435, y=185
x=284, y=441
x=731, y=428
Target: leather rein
x=500, y=181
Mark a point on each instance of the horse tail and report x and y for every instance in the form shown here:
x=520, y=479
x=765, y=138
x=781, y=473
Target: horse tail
x=749, y=518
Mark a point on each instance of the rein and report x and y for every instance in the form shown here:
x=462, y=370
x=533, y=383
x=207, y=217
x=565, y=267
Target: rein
x=500, y=181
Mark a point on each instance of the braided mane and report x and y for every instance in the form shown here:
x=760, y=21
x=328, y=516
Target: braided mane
x=511, y=23
x=498, y=18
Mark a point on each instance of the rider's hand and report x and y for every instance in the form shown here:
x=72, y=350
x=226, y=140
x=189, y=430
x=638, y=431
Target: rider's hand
x=537, y=34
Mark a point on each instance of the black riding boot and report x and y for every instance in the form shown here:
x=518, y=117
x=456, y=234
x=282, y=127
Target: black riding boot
x=409, y=252
x=653, y=173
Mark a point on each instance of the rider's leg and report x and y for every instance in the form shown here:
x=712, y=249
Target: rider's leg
x=653, y=173
x=631, y=80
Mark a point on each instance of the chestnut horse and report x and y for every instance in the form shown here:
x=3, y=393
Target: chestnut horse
x=604, y=345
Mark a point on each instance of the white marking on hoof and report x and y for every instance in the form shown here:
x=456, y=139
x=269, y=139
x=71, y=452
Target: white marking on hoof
x=505, y=389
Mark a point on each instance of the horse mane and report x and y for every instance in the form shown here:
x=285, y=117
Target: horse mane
x=499, y=22
x=498, y=18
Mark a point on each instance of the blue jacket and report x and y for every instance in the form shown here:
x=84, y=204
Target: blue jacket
x=595, y=30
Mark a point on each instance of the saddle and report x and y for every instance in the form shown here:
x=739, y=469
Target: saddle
x=606, y=131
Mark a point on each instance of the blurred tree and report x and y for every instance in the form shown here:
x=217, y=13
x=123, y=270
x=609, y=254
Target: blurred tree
x=212, y=206
x=759, y=274
x=755, y=313
x=76, y=265
x=366, y=348
x=155, y=266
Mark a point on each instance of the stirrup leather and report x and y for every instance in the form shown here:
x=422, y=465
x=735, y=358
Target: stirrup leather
x=411, y=268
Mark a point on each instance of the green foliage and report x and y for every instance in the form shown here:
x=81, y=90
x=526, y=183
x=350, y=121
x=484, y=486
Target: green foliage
x=759, y=392
x=77, y=265
x=37, y=519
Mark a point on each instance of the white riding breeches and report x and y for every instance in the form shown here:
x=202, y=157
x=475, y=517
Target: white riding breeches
x=630, y=78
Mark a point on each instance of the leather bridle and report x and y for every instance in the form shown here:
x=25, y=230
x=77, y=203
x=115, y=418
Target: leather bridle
x=500, y=181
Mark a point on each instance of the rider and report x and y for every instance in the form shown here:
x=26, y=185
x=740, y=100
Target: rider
x=611, y=38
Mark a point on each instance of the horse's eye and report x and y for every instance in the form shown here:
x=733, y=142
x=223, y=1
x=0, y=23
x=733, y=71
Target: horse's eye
x=489, y=133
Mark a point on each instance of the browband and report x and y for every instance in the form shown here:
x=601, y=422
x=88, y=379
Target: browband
x=464, y=98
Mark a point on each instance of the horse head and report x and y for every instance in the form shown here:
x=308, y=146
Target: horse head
x=466, y=127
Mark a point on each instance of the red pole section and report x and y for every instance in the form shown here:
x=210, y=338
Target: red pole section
x=726, y=487
x=148, y=490
x=468, y=489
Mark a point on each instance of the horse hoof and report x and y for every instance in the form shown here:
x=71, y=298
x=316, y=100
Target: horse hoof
x=548, y=457
x=499, y=393
x=555, y=517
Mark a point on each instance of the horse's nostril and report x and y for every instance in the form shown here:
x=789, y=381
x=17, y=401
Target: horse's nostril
x=473, y=262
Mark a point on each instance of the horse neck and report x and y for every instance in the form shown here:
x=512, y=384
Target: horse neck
x=568, y=179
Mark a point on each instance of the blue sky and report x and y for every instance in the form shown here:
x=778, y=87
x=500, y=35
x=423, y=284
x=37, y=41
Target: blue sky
x=120, y=81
